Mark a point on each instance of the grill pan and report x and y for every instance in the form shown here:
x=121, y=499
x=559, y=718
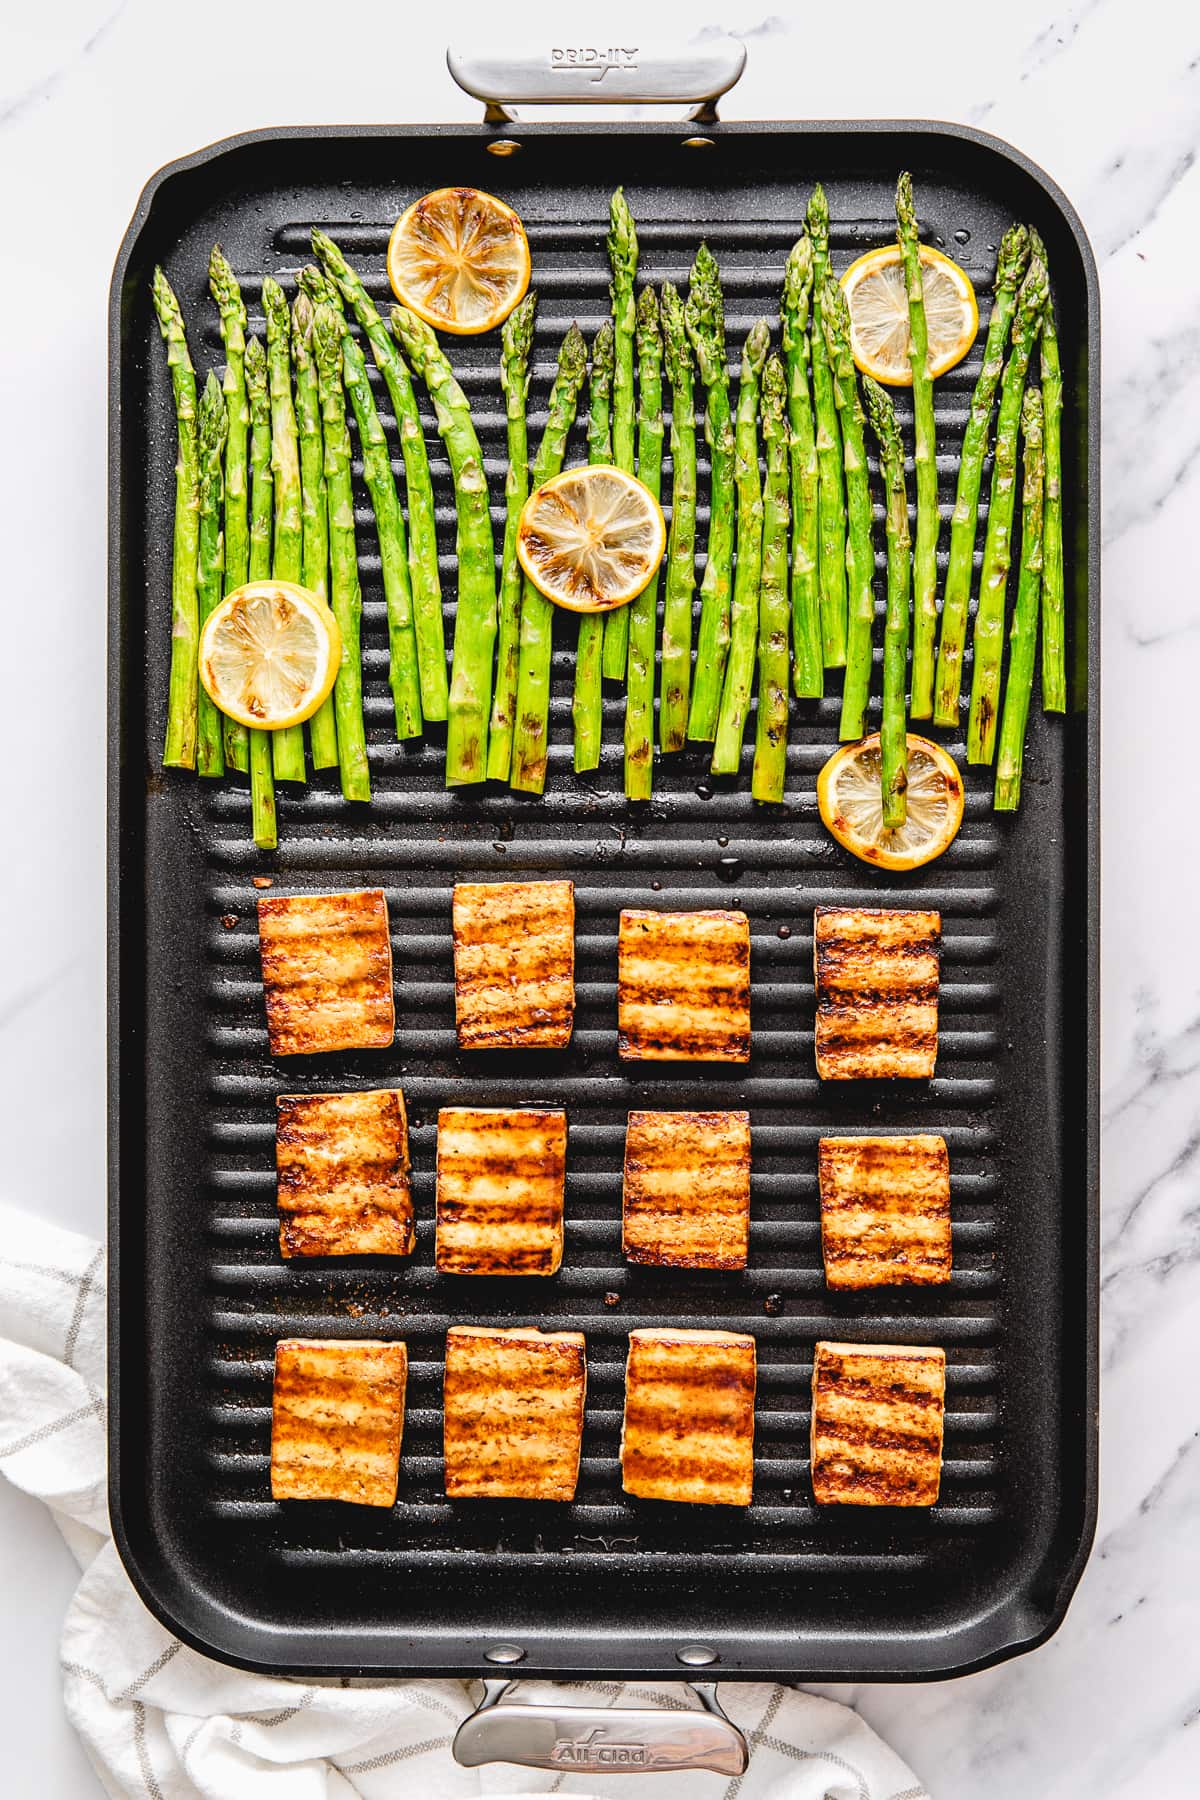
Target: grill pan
x=198, y=1293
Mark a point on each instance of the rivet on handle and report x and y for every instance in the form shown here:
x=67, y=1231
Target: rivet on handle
x=696, y=1656
x=504, y=1653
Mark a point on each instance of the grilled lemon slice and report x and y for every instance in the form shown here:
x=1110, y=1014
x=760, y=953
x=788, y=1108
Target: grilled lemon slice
x=269, y=654
x=850, y=799
x=879, y=335
x=459, y=259
x=590, y=539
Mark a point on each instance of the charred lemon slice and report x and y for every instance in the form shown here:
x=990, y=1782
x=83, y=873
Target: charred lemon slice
x=269, y=654
x=850, y=799
x=878, y=302
x=591, y=538
x=459, y=259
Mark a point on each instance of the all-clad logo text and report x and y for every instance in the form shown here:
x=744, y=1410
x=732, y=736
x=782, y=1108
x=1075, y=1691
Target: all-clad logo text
x=593, y=1750
x=598, y=61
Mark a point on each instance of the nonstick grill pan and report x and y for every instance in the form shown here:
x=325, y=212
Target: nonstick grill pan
x=199, y=1295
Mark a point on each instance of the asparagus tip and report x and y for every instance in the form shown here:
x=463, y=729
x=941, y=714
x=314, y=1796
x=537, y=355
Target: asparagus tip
x=798, y=272
x=758, y=342
x=517, y=333
x=774, y=390
x=1013, y=257
x=622, y=233
x=906, y=217
x=817, y=214
x=572, y=355
x=603, y=347
x=1034, y=290
x=882, y=414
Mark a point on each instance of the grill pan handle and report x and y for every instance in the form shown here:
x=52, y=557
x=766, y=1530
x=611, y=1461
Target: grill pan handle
x=590, y=76
x=600, y=1740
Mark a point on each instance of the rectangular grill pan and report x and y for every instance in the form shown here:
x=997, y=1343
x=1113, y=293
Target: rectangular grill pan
x=198, y=1292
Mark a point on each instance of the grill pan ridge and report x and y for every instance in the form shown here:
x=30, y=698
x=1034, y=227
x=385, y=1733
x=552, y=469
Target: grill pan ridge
x=198, y=1292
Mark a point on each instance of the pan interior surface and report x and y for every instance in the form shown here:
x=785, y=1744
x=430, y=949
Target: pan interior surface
x=199, y=1292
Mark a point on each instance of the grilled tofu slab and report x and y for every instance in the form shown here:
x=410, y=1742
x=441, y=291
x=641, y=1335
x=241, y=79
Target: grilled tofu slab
x=500, y=1180
x=337, y=1420
x=327, y=972
x=342, y=1169
x=514, y=964
x=683, y=987
x=877, y=992
x=885, y=1211
x=687, y=1189
x=513, y=1412
x=877, y=1424
x=689, y=1417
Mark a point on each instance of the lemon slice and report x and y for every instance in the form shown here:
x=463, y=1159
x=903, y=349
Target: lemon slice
x=591, y=538
x=459, y=259
x=850, y=798
x=879, y=337
x=269, y=654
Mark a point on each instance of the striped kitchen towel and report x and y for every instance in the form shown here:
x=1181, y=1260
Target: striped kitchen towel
x=159, y=1720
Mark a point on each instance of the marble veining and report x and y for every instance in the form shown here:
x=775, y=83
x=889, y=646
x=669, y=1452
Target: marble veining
x=1106, y=96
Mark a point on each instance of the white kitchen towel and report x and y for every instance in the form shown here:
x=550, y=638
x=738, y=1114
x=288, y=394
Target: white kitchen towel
x=159, y=1720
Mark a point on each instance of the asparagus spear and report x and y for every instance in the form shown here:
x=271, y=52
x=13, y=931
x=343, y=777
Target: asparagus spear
x=831, y=492
x=681, y=546
x=403, y=678
x=623, y=257
x=182, y=707
x=1054, y=652
x=860, y=558
x=808, y=670
x=704, y=315
x=210, y=559
x=344, y=592
x=587, y=705
x=314, y=505
x=893, y=732
x=924, y=632
x=988, y=640
x=770, y=748
x=422, y=542
x=643, y=612
x=475, y=622
x=1011, y=264
x=531, y=734
x=287, y=745
x=1024, y=634
x=258, y=568
x=223, y=285
x=743, y=640
x=514, y=379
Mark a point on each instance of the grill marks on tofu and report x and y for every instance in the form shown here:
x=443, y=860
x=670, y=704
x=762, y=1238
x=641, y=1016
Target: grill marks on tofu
x=683, y=987
x=327, y=972
x=876, y=974
x=688, y=1433
x=514, y=964
x=513, y=1412
x=885, y=1211
x=877, y=1424
x=337, y=1420
x=500, y=1180
x=687, y=1189
x=342, y=1165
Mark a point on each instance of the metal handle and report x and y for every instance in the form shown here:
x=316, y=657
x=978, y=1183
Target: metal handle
x=598, y=1740
x=586, y=75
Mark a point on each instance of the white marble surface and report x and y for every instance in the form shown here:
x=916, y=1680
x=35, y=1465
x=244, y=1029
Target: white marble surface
x=96, y=94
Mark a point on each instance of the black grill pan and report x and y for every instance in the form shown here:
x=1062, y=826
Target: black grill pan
x=198, y=1292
